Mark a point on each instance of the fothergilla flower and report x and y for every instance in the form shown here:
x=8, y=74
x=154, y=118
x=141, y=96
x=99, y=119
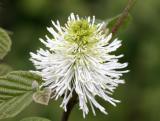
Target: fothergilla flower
x=80, y=59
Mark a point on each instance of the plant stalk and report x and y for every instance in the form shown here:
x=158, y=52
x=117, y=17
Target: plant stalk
x=72, y=102
x=123, y=16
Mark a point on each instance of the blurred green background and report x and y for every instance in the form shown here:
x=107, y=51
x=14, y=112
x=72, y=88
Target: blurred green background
x=140, y=96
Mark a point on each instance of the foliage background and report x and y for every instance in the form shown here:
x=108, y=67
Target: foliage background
x=140, y=96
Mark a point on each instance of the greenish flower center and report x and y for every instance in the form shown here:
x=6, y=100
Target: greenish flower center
x=81, y=33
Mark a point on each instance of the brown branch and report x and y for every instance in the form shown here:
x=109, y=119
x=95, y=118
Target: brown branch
x=72, y=102
x=123, y=16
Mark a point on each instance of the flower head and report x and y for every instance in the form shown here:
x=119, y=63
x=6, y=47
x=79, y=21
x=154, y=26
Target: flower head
x=79, y=59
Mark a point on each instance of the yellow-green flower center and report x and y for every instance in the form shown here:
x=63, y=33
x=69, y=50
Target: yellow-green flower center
x=81, y=33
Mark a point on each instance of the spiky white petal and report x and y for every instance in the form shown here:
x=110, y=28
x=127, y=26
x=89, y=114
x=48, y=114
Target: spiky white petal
x=90, y=71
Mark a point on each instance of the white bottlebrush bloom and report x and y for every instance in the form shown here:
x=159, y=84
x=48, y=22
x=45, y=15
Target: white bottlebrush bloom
x=79, y=59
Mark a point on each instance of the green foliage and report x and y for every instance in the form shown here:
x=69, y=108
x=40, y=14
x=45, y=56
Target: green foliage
x=35, y=119
x=14, y=105
x=16, y=90
x=5, y=43
x=4, y=69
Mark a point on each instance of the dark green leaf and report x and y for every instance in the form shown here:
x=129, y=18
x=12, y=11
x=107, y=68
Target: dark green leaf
x=5, y=43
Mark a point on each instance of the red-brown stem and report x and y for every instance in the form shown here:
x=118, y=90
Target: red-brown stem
x=123, y=16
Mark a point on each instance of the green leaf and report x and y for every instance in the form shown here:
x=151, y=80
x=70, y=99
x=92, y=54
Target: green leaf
x=35, y=119
x=16, y=91
x=111, y=22
x=4, y=69
x=5, y=43
x=42, y=96
x=15, y=105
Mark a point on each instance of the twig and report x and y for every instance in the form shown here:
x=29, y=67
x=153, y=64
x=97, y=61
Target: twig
x=123, y=16
x=71, y=104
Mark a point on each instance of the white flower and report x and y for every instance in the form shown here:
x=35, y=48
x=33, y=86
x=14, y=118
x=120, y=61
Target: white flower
x=79, y=59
